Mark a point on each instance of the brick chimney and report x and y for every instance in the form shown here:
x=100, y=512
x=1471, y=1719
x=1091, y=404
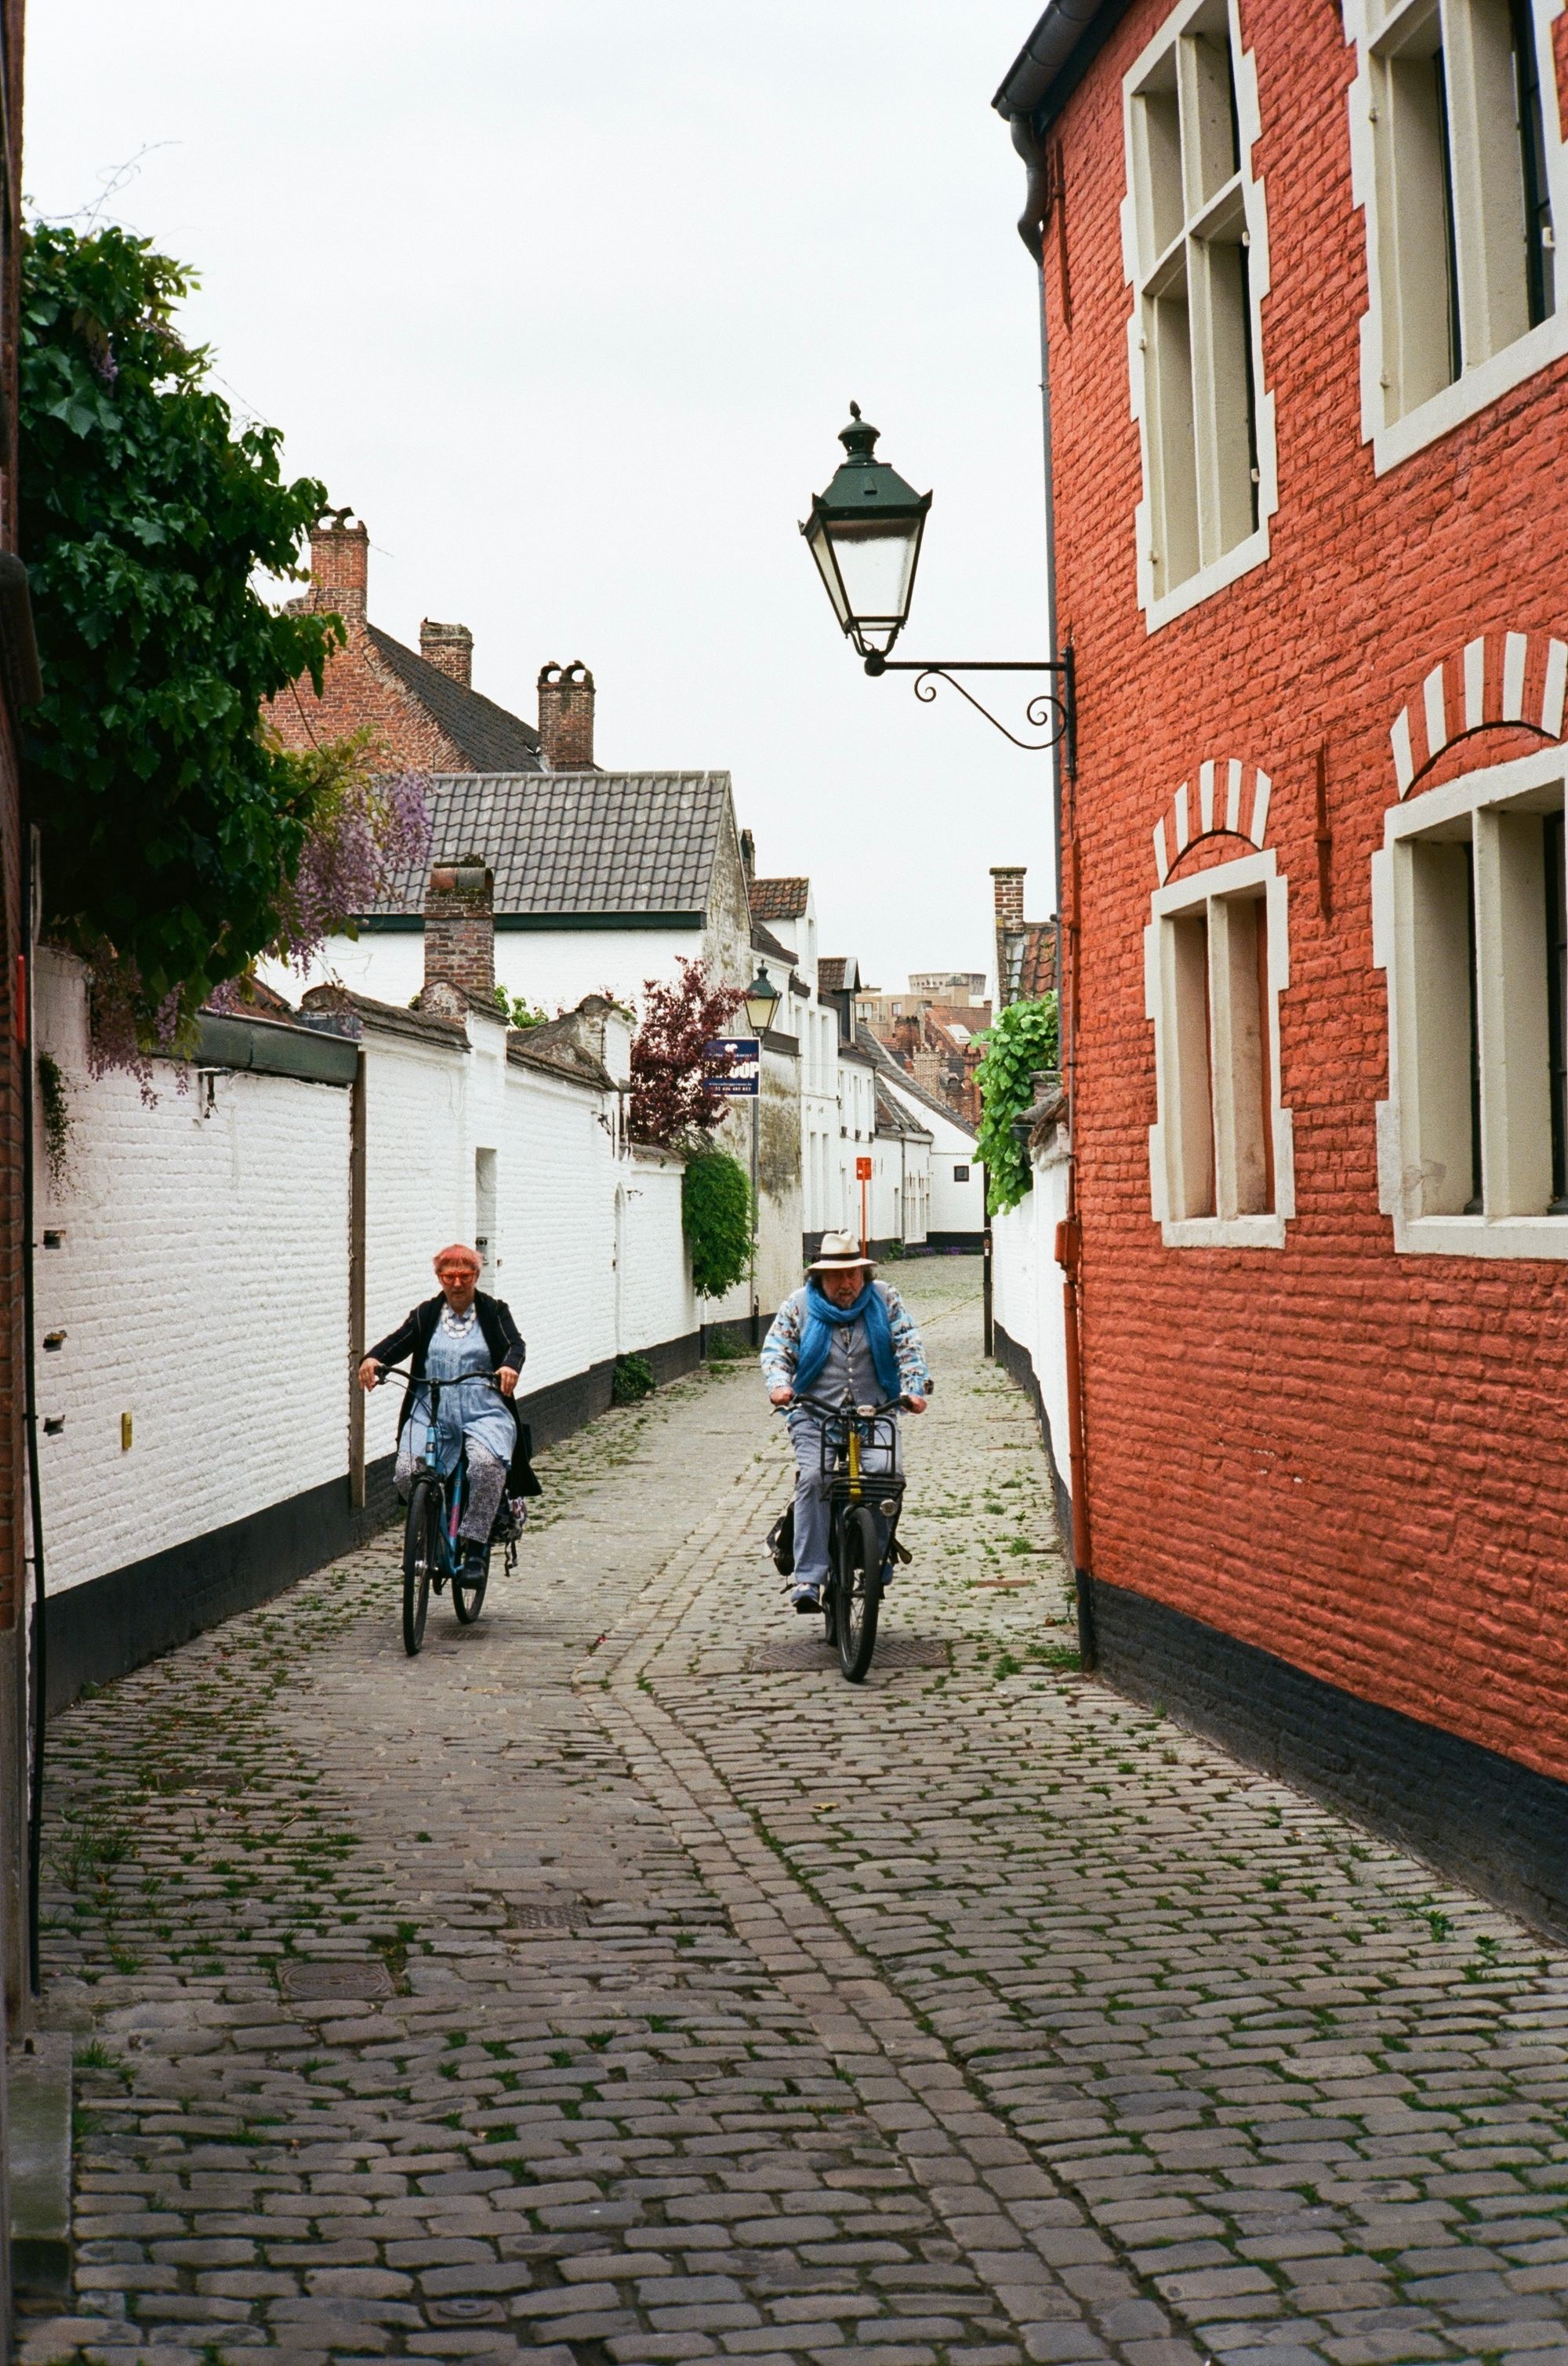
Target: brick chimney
x=460, y=927
x=339, y=562
x=566, y=716
x=1007, y=882
x=450, y=648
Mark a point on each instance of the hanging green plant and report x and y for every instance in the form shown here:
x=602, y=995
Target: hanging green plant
x=54, y=1114
x=715, y=1216
x=1021, y=1041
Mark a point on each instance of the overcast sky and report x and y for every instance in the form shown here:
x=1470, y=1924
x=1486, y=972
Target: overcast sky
x=568, y=298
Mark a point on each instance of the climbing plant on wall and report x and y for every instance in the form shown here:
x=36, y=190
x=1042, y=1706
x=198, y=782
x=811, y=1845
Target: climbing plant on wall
x=172, y=826
x=1021, y=1040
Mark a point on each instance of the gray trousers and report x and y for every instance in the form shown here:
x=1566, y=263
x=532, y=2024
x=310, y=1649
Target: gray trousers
x=812, y=1494
x=486, y=1483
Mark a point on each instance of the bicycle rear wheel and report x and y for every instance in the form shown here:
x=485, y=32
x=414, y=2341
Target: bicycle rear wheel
x=467, y=1599
x=421, y=1558
x=859, y=1591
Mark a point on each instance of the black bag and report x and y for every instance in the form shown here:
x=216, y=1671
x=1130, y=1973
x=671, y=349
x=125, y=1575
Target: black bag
x=782, y=1542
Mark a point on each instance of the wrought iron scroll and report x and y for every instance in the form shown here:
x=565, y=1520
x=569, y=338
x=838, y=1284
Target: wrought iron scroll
x=1052, y=712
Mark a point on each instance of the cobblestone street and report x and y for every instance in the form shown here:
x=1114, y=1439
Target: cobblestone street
x=615, y=1983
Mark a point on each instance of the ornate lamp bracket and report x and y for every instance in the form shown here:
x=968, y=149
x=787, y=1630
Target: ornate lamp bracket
x=1053, y=712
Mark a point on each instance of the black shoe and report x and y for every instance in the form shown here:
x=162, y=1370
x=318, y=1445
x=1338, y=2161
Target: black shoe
x=473, y=1567
x=807, y=1599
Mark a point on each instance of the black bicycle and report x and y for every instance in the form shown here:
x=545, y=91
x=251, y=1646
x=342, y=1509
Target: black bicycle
x=863, y=1518
x=434, y=1555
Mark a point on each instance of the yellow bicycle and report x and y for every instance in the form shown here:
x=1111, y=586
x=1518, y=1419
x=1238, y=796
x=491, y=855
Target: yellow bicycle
x=863, y=1516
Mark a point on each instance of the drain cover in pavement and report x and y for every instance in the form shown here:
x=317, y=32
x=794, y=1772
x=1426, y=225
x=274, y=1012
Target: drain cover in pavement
x=809, y=1651
x=545, y=1914
x=320, y=1983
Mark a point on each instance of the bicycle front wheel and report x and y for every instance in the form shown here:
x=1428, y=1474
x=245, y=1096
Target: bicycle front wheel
x=421, y=1558
x=859, y=1591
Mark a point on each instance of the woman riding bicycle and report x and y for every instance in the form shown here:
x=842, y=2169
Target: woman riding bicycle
x=457, y=1337
x=844, y=1334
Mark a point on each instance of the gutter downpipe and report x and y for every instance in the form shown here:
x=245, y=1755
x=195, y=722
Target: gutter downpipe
x=1030, y=144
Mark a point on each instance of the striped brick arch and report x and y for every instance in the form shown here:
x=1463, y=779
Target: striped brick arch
x=1232, y=800
x=1502, y=680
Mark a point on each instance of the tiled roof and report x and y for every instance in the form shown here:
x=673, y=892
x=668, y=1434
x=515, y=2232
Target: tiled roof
x=1027, y=960
x=1037, y=970
x=779, y=899
x=830, y=976
x=906, y=1083
x=564, y=842
x=492, y=739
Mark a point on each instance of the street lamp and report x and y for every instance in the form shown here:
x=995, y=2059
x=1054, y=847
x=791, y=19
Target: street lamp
x=865, y=535
x=762, y=999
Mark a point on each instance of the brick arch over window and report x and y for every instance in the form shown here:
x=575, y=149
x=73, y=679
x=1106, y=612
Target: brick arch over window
x=1232, y=801
x=1498, y=681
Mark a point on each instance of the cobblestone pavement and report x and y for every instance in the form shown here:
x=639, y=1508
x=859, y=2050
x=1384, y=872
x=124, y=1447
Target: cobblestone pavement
x=614, y=1983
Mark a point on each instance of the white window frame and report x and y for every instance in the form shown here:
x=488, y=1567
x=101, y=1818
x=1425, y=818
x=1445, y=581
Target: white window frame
x=1369, y=24
x=1251, y=875
x=1141, y=262
x=1512, y=1110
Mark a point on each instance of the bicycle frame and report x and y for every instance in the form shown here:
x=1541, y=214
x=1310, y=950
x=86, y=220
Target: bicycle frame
x=454, y=1483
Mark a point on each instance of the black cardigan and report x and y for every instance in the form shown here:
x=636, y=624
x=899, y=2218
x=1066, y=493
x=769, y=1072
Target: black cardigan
x=504, y=1340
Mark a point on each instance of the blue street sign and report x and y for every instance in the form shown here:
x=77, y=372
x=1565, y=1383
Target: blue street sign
x=743, y=1054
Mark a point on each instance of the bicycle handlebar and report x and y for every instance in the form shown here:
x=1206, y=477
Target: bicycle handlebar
x=399, y=1373
x=822, y=1405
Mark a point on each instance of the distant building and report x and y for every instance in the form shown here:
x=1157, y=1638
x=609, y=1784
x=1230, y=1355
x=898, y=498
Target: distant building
x=931, y=1031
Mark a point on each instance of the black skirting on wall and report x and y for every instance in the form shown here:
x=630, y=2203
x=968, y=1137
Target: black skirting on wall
x=99, y=1630
x=1497, y=1827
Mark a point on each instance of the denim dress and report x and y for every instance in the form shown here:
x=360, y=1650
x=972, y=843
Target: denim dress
x=475, y=1411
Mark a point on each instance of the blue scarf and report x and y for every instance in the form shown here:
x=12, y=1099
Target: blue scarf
x=816, y=1337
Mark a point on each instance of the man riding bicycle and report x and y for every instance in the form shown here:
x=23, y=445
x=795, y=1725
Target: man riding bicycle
x=456, y=1338
x=843, y=1334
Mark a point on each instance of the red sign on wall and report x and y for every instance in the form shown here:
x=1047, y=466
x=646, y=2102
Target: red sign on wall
x=862, y=1170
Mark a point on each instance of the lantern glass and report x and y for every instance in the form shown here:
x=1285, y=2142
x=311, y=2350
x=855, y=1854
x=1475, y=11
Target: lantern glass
x=761, y=1001
x=864, y=533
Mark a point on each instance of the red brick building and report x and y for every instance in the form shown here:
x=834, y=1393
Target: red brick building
x=420, y=709
x=1308, y=351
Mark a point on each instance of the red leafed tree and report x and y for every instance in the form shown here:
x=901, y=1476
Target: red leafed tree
x=668, y=1102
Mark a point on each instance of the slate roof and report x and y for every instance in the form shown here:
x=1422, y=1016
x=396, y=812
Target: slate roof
x=575, y=842
x=891, y=1119
x=779, y=899
x=491, y=738
x=884, y=1060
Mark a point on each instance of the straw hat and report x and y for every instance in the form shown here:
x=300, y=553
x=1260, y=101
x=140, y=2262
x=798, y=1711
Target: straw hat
x=839, y=1252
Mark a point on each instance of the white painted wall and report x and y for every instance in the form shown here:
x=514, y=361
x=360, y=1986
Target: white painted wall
x=202, y=1282
x=552, y=968
x=956, y=1207
x=1026, y=1289
x=900, y=1189
x=202, y=1286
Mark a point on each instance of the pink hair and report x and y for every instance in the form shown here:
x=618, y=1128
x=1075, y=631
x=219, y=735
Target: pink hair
x=458, y=1249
